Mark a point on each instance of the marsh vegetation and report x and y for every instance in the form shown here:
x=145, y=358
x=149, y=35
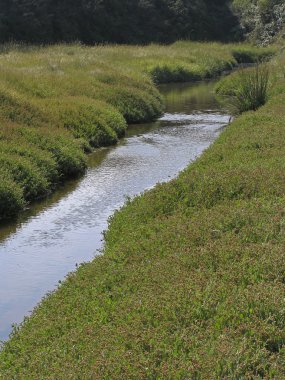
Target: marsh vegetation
x=60, y=102
x=191, y=283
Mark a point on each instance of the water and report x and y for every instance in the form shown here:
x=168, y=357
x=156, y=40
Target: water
x=55, y=235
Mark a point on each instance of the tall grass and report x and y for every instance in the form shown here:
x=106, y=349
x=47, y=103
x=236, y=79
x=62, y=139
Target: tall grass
x=247, y=90
x=254, y=88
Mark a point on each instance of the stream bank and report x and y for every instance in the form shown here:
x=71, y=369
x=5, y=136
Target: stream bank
x=65, y=230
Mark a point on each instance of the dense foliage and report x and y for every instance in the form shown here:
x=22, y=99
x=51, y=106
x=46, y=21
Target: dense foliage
x=121, y=21
x=260, y=20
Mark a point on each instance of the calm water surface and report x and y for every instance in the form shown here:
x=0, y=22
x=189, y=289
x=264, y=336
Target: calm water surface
x=54, y=235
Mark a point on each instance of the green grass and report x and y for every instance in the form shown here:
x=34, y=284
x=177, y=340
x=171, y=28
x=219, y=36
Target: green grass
x=64, y=100
x=33, y=160
x=246, y=90
x=191, y=283
x=250, y=54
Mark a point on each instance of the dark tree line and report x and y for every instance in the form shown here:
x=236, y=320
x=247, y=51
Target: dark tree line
x=120, y=21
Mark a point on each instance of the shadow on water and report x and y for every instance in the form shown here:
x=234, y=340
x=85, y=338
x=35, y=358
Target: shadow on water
x=56, y=234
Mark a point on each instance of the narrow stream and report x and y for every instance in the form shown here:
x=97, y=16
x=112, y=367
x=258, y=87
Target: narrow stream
x=55, y=235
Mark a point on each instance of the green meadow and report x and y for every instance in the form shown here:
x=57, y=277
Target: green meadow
x=58, y=103
x=191, y=283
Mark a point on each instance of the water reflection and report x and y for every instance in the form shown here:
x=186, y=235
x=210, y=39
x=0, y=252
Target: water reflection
x=187, y=98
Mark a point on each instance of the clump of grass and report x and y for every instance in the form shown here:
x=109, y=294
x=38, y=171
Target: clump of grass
x=68, y=153
x=247, y=90
x=23, y=171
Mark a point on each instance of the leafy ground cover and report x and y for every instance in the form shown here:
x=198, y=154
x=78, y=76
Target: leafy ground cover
x=191, y=283
x=58, y=102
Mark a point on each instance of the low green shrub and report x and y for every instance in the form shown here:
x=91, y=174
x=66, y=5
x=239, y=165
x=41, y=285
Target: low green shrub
x=11, y=196
x=31, y=179
x=43, y=159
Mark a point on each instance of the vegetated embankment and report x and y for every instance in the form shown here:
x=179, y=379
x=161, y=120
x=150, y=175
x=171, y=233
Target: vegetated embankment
x=191, y=283
x=58, y=102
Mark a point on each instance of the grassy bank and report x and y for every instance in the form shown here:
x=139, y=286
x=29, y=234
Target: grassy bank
x=191, y=283
x=58, y=102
